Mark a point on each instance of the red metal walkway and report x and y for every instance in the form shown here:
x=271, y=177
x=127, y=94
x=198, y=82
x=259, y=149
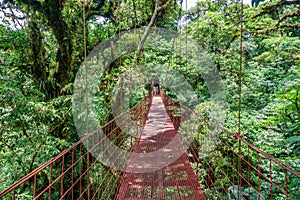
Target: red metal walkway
x=158, y=175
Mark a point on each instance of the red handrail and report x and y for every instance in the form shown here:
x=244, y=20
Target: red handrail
x=228, y=150
x=140, y=109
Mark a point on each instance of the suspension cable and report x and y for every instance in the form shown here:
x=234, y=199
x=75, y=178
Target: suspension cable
x=84, y=4
x=130, y=67
x=240, y=95
x=172, y=55
x=240, y=69
x=185, y=114
x=85, y=64
x=186, y=55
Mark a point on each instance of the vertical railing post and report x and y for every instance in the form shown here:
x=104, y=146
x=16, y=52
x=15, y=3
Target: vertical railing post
x=258, y=169
x=73, y=157
x=227, y=153
x=80, y=169
x=239, y=167
x=249, y=185
x=271, y=181
x=88, y=168
x=34, y=186
x=62, y=177
x=233, y=178
x=14, y=194
x=287, y=184
x=50, y=181
x=93, y=163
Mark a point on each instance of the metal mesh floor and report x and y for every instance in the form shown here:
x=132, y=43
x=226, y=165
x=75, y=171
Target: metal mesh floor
x=164, y=172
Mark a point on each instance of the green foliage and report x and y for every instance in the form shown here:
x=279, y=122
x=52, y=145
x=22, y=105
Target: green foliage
x=28, y=127
x=270, y=79
x=35, y=104
x=245, y=192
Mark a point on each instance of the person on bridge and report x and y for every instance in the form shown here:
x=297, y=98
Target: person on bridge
x=156, y=89
x=156, y=86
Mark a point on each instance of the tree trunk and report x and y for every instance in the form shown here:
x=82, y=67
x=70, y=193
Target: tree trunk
x=64, y=39
x=37, y=52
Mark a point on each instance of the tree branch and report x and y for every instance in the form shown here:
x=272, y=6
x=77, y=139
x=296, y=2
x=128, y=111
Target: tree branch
x=269, y=9
x=33, y=159
x=270, y=30
x=135, y=14
x=33, y=3
x=164, y=6
x=290, y=15
x=150, y=25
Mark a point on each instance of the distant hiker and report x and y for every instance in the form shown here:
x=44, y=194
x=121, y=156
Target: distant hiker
x=156, y=86
x=156, y=89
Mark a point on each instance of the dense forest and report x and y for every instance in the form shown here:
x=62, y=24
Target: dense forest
x=43, y=44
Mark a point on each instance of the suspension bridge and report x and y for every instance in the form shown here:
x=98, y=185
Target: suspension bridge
x=235, y=169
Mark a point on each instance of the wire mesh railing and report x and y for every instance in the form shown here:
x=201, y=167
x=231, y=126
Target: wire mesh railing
x=228, y=166
x=77, y=173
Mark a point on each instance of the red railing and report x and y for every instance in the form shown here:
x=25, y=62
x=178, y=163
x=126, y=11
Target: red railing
x=77, y=173
x=228, y=166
